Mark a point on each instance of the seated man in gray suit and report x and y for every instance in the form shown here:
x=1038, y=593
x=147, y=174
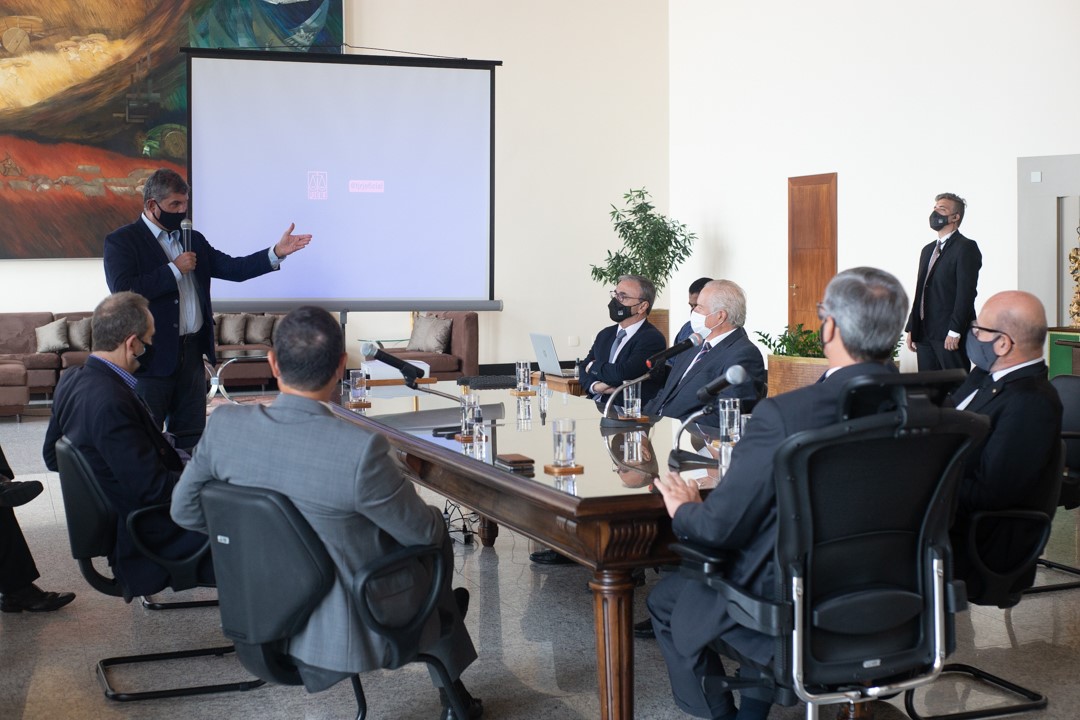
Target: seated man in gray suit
x=344, y=481
x=718, y=318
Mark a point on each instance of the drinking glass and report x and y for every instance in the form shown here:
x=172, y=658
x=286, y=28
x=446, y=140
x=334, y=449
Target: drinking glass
x=631, y=396
x=358, y=390
x=728, y=412
x=562, y=430
x=524, y=375
x=470, y=404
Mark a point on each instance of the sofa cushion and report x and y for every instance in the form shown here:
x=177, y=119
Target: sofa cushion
x=53, y=337
x=233, y=327
x=260, y=329
x=17, y=331
x=439, y=362
x=12, y=372
x=430, y=334
x=73, y=358
x=79, y=334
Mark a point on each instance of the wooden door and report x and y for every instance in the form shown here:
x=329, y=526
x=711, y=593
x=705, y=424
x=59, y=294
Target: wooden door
x=811, y=245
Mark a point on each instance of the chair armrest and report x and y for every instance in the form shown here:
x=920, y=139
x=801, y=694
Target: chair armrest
x=705, y=564
x=183, y=572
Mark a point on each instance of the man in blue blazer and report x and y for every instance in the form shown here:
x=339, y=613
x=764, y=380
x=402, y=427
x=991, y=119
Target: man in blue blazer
x=620, y=350
x=719, y=318
x=862, y=316
x=149, y=257
x=96, y=407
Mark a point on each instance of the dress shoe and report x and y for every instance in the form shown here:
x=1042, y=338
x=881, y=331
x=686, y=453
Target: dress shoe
x=549, y=557
x=644, y=630
x=33, y=599
x=461, y=597
x=13, y=494
x=473, y=706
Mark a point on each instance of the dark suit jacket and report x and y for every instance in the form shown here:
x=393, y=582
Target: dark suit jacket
x=132, y=460
x=630, y=363
x=740, y=514
x=678, y=398
x=135, y=261
x=950, y=290
x=1009, y=470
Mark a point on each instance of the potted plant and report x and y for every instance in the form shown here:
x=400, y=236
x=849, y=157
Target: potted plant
x=796, y=358
x=653, y=246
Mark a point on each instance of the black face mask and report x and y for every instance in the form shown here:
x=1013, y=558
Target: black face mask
x=619, y=312
x=938, y=221
x=169, y=220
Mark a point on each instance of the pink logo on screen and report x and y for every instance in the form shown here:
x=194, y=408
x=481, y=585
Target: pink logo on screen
x=366, y=186
x=317, y=183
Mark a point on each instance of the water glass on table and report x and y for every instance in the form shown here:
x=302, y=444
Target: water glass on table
x=470, y=405
x=728, y=412
x=524, y=375
x=358, y=388
x=631, y=396
x=564, y=436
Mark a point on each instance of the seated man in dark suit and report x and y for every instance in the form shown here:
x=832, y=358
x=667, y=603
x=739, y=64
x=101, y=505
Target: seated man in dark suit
x=862, y=316
x=343, y=479
x=1009, y=385
x=687, y=328
x=96, y=407
x=718, y=318
x=17, y=569
x=619, y=352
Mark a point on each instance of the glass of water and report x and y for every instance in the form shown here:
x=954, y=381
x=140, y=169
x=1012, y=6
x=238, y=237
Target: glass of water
x=563, y=432
x=524, y=375
x=631, y=396
x=728, y=411
x=470, y=405
x=358, y=390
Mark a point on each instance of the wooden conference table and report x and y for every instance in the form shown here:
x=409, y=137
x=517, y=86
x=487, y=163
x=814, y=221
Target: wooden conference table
x=605, y=518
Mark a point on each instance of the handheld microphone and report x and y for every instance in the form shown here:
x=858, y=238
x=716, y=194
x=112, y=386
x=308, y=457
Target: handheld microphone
x=185, y=233
x=661, y=357
x=735, y=375
x=410, y=372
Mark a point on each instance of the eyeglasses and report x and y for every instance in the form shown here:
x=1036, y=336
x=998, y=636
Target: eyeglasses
x=976, y=329
x=621, y=296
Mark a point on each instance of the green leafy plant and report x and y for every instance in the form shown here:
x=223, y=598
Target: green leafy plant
x=653, y=245
x=798, y=342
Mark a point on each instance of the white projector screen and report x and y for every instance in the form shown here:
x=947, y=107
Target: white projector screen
x=387, y=162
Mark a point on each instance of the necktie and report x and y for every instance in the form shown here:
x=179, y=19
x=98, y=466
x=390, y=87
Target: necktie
x=615, y=345
x=922, y=297
x=697, y=358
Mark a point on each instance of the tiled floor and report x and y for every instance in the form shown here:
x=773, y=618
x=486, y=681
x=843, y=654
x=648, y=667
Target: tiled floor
x=533, y=627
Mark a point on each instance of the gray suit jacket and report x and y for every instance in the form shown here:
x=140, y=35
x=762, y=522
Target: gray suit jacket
x=345, y=483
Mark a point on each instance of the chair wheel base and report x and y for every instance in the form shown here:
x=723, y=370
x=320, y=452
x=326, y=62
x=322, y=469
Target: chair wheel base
x=1034, y=700
x=114, y=694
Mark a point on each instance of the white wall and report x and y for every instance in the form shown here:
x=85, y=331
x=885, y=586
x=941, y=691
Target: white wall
x=903, y=100
x=581, y=117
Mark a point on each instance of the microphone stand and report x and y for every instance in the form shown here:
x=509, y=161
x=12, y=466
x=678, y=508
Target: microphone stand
x=608, y=421
x=680, y=460
x=410, y=382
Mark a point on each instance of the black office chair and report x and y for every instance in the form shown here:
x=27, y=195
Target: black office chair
x=864, y=604
x=259, y=539
x=91, y=524
x=991, y=584
x=1068, y=388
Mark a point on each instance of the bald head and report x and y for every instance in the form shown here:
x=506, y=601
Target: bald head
x=1021, y=319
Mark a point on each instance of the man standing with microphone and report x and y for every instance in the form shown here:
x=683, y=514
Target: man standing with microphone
x=159, y=257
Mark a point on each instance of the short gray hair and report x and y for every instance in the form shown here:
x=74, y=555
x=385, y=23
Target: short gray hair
x=870, y=307
x=162, y=183
x=727, y=295
x=648, y=290
x=118, y=317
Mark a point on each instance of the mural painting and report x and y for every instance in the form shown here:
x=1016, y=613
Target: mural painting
x=93, y=98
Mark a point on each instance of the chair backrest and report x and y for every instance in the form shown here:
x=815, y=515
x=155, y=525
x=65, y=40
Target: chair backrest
x=1068, y=389
x=864, y=509
x=272, y=569
x=91, y=521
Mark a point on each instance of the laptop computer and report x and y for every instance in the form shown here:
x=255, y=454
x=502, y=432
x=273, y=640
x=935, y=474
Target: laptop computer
x=546, y=359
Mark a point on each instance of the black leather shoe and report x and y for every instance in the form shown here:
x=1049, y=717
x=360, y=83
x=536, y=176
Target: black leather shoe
x=473, y=706
x=644, y=630
x=33, y=599
x=13, y=494
x=549, y=557
x=461, y=597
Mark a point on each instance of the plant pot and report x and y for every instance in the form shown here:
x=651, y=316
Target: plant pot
x=789, y=372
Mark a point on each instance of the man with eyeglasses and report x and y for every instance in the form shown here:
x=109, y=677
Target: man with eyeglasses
x=944, y=302
x=96, y=407
x=619, y=352
x=1009, y=385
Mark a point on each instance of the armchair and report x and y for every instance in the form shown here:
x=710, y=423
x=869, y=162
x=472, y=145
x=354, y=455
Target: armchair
x=864, y=603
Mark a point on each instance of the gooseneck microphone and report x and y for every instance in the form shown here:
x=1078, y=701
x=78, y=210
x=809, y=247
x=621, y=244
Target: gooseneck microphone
x=661, y=357
x=735, y=375
x=185, y=233
x=410, y=372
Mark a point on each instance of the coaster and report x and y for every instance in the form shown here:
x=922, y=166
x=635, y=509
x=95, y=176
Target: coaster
x=639, y=418
x=358, y=404
x=522, y=393
x=463, y=438
x=572, y=470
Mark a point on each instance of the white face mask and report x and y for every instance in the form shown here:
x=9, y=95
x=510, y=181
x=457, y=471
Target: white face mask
x=697, y=324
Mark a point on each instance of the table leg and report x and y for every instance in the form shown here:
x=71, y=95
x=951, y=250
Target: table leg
x=489, y=530
x=613, y=602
